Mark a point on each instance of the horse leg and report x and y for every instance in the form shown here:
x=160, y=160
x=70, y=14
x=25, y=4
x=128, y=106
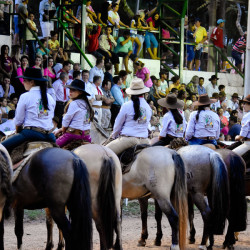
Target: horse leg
x=144, y=216
x=19, y=227
x=118, y=228
x=229, y=239
x=61, y=241
x=2, y=233
x=191, y=220
x=49, y=224
x=158, y=217
x=103, y=245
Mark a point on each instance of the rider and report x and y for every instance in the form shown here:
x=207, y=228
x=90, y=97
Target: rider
x=174, y=123
x=79, y=113
x=204, y=125
x=34, y=112
x=245, y=129
x=131, y=124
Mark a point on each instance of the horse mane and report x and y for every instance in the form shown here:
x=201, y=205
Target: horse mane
x=234, y=145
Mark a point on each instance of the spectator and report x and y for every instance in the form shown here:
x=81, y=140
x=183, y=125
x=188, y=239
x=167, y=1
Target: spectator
x=182, y=95
x=201, y=89
x=212, y=87
x=200, y=36
x=106, y=104
x=222, y=98
x=6, y=17
x=234, y=113
x=190, y=48
x=155, y=92
x=76, y=67
x=217, y=38
x=118, y=96
x=49, y=72
x=143, y=73
x=4, y=109
x=23, y=14
x=108, y=73
x=192, y=87
x=222, y=88
x=124, y=49
x=59, y=65
x=40, y=51
x=30, y=39
x=62, y=95
x=47, y=10
x=6, y=66
x=174, y=91
x=233, y=104
x=214, y=106
x=94, y=43
x=91, y=18
x=175, y=84
x=238, y=50
x=114, y=18
x=6, y=89
x=223, y=121
x=189, y=109
x=61, y=54
x=234, y=128
x=163, y=81
x=225, y=112
x=9, y=125
x=53, y=43
x=16, y=62
x=106, y=44
x=38, y=63
x=124, y=75
x=97, y=70
x=183, y=86
x=13, y=101
x=66, y=69
x=193, y=97
x=88, y=85
x=102, y=12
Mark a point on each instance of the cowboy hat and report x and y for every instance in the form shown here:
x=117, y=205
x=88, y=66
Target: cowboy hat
x=235, y=95
x=204, y=100
x=33, y=74
x=171, y=102
x=213, y=77
x=137, y=87
x=78, y=85
x=247, y=99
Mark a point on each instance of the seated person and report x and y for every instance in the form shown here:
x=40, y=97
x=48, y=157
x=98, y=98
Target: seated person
x=6, y=89
x=9, y=125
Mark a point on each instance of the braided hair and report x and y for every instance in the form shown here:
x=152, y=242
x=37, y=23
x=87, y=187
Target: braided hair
x=177, y=116
x=201, y=108
x=136, y=104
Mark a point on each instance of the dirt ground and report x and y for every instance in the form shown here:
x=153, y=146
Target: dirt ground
x=35, y=234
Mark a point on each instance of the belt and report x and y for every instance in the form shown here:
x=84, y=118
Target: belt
x=134, y=137
x=96, y=106
x=77, y=131
x=40, y=130
x=206, y=138
x=106, y=107
x=171, y=136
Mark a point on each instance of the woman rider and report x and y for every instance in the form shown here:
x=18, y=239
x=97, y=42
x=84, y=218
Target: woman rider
x=34, y=112
x=204, y=125
x=173, y=123
x=131, y=124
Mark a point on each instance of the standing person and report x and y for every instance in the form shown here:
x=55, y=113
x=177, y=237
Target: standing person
x=212, y=87
x=34, y=113
x=6, y=66
x=217, y=38
x=46, y=9
x=238, y=50
x=78, y=115
x=200, y=36
x=88, y=85
x=106, y=104
x=118, y=96
x=108, y=73
x=204, y=125
x=201, y=89
x=22, y=11
x=97, y=70
x=131, y=124
x=66, y=69
x=62, y=96
x=173, y=123
x=143, y=73
x=31, y=40
x=190, y=48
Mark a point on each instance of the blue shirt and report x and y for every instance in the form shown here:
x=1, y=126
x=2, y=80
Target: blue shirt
x=234, y=130
x=201, y=90
x=117, y=94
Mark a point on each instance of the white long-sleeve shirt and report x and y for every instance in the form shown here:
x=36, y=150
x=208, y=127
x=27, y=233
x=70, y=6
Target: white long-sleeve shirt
x=245, y=126
x=59, y=90
x=31, y=113
x=211, y=89
x=45, y=5
x=95, y=72
x=125, y=123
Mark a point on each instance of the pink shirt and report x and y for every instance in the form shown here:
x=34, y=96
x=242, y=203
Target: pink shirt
x=49, y=74
x=142, y=74
x=20, y=73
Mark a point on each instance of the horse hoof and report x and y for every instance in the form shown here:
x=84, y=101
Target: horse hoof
x=158, y=243
x=174, y=247
x=203, y=247
x=210, y=248
x=230, y=247
x=49, y=247
x=141, y=243
x=191, y=241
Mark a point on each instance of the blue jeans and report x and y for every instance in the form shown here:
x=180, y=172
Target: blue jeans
x=197, y=141
x=27, y=135
x=150, y=38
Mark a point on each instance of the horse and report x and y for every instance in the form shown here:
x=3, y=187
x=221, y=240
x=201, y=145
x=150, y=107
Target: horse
x=55, y=178
x=161, y=172
x=237, y=210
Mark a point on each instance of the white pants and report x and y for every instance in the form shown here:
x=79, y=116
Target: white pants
x=98, y=115
x=242, y=149
x=47, y=27
x=106, y=116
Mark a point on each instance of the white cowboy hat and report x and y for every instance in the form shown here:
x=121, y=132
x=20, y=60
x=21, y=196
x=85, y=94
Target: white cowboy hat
x=137, y=87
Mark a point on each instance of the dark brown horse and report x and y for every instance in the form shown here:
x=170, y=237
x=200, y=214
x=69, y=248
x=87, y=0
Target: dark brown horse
x=56, y=178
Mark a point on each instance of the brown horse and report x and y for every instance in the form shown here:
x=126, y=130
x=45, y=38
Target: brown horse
x=55, y=178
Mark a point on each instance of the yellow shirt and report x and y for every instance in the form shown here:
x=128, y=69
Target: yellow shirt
x=200, y=34
x=53, y=44
x=174, y=86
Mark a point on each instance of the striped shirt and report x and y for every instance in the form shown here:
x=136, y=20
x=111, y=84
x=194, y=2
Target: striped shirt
x=241, y=42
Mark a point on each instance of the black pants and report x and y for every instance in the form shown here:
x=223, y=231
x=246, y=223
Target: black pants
x=115, y=109
x=59, y=111
x=114, y=59
x=163, y=141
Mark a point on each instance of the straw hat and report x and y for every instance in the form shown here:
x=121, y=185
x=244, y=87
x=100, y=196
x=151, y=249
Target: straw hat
x=137, y=87
x=171, y=102
x=204, y=100
x=247, y=99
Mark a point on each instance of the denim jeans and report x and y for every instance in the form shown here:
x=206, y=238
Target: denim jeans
x=27, y=135
x=197, y=141
x=150, y=38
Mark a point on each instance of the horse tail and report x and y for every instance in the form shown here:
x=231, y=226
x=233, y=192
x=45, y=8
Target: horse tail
x=106, y=200
x=238, y=204
x=79, y=206
x=219, y=198
x=180, y=198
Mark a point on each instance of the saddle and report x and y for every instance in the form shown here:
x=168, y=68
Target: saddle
x=177, y=143
x=75, y=144
x=128, y=156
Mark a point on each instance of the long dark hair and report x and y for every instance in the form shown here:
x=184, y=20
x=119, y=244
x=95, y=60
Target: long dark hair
x=136, y=104
x=3, y=54
x=200, y=108
x=43, y=90
x=177, y=116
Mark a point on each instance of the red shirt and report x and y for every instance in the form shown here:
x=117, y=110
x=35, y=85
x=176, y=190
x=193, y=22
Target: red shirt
x=217, y=37
x=93, y=41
